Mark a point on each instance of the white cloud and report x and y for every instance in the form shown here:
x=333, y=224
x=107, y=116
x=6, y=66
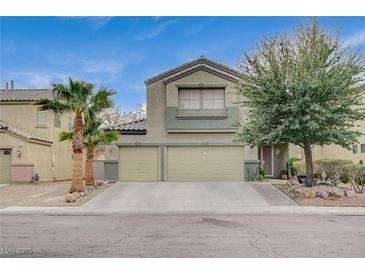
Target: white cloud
x=96, y=22
x=112, y=68
x=200, y=27
x=156, y=31
x=355, y=39
x=41, y=79
x=99, y=21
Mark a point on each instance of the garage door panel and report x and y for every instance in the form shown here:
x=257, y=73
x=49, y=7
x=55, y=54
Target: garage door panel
x=205, y=163
x=138, y=164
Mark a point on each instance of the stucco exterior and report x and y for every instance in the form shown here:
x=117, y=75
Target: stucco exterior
x=206, y=134
x=51, y=161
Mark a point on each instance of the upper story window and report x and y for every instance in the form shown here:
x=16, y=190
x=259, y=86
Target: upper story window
x=41, y=118
x=201, y=98
x=57, y=120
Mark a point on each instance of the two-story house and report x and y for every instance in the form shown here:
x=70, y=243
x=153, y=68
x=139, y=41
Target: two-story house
x=29, y=138
x=189, y=134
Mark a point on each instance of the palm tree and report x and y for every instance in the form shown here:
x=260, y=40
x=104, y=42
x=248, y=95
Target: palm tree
x=76, y=97
x=94, y=136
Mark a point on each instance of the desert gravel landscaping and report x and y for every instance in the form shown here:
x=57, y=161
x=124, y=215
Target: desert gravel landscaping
x=323, y=195
x=47, y=194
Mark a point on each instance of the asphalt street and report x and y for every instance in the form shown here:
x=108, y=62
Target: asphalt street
x=182, y=235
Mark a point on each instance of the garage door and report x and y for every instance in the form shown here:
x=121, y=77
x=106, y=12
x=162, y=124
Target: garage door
x=5, y=165
x=215, y=163
x=138, y=164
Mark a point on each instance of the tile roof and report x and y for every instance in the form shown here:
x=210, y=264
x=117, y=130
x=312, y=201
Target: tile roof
x=201, y=61
x=17, y=95
x=22, y=133
x=136, y=126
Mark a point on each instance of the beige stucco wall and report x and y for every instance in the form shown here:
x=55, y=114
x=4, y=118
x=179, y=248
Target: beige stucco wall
x=38, y=155
x=51, y=162
x=160, y=95
x=24, y=115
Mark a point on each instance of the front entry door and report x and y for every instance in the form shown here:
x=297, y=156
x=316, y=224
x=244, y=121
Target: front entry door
x=267, y=160
x=5, y=165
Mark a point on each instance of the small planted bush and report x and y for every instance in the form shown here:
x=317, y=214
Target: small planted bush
x=291, y=165
x=299, y=167
x=356, y=175
x=332, y=170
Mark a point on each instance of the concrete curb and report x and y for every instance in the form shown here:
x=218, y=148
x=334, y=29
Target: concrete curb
x=291, y=210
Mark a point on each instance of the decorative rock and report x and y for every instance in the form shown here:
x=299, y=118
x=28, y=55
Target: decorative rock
x=322, y=194
x=82, y=194
x=309, y=194
x=336, y=193
x=99, y=182
x=349, y=193
x=76, y=195
x=70, y=198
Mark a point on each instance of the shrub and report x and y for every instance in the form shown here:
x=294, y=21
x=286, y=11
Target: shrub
x=299, y=167
x=332, y=170
x=291, y=165
x=260, y=174
x=345, y=178
x=356, y=175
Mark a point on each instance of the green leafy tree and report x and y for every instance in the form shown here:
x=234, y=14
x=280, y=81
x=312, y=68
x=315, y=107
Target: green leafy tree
x=76, y=97
x=306, y=90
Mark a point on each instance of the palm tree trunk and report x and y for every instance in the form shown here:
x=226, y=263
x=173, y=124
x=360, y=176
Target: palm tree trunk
x=89, y=166
x=77, y=183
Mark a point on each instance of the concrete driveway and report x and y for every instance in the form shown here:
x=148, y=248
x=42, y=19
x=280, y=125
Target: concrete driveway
x=168, y=197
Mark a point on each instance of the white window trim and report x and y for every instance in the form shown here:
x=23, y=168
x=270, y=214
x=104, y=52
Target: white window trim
x=45, y=119
x=201, y=90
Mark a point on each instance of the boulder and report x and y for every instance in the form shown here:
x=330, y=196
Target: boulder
x=336, y=193
x=76, y=195
x=308, y=194
x=70, y=198
x=99, y=182
x=322, y=194
x=349, y=193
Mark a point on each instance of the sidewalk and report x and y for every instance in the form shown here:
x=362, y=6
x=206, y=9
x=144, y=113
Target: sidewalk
x=291, y=210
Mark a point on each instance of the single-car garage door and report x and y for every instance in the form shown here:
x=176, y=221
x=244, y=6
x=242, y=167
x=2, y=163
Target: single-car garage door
x=138, y=164
x=206, y=163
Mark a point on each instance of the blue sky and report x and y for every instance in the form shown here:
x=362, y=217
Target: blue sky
x=121, y=52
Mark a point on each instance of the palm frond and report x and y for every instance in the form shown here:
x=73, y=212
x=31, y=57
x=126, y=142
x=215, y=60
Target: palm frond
x=54, y=105
x=65, y=135
x=101, y=100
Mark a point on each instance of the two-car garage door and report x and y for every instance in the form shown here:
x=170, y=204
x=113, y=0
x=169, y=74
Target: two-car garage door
x=181, y=163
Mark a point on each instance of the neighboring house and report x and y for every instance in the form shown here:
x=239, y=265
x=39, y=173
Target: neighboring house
x=188, y=134
x=29, y=138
